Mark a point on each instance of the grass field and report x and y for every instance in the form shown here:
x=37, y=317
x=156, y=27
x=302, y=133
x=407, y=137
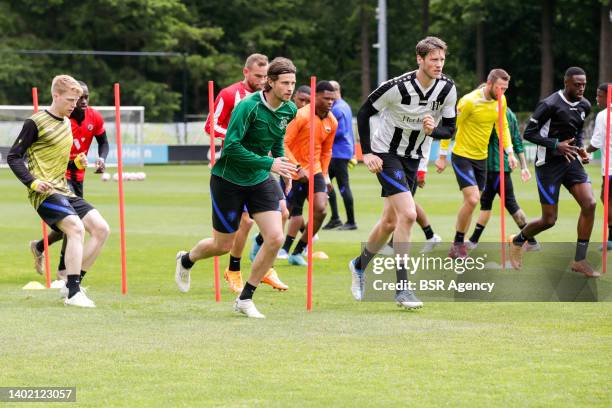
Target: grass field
x=159, y=347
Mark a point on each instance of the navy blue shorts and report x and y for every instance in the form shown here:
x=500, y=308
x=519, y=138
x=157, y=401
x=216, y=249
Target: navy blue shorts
x=399, y=174
x=299, y=193
x=603, y=180
x=279, y=193
x=229, y=200
x=57, y=207
x=469, y=172
x=551, y=175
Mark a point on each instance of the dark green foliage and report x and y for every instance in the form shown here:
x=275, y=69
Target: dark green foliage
x=322, y=38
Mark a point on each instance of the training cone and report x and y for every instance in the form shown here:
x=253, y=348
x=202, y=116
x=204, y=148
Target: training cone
x=320, y=255
x=34, y=286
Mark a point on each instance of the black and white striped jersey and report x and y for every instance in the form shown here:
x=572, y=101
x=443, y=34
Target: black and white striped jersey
x=402, y=104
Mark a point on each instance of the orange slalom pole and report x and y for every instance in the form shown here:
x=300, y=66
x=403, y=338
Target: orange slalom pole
x=311, y=159
x=121, y=202
x=502, y=180
x=211, y=115
x=44, y=224
x=606, y=187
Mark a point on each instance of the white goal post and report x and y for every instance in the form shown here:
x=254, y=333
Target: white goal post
x=132, y=135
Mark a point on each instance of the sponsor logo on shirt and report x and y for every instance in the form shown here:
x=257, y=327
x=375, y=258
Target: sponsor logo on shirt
x=283, y=123
x=409, y=119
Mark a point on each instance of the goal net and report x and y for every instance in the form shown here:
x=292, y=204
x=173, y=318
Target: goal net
x=132, y=137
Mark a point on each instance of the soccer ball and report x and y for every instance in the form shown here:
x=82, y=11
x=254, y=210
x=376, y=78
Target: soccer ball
x=116, y=177
x=106, y=176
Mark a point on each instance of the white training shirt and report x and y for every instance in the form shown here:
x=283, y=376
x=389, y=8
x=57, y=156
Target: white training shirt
x=402, y=103
x=599, y=140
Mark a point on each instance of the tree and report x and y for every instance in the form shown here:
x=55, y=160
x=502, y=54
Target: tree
x=480, y=51
x=365, y=48
x=424, y=17
x=605, y=43
x=546, y=44
x=328, y=39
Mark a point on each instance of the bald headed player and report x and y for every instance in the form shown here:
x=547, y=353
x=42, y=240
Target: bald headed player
x=87, y=124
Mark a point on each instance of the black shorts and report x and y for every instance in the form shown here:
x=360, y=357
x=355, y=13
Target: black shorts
x=338, y=168
x=229, y=200
x=76, y=187
x=469, y=172
x=399, y=174
x=279, y=192
x=550, y=176
x=492, y=189
x=299, y=193
x=603, y=180
x=57, y=207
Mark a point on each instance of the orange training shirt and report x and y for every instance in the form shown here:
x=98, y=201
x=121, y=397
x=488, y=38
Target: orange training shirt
x=297, y=147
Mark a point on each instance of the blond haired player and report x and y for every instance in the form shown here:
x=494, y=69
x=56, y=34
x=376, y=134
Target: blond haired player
x=39, y=159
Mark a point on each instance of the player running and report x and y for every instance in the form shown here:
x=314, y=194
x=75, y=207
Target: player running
x=297, y=150
x=556, y=126
x=342, y=159
x=598, y=141
x=477, y=114
x=254, y=71
x=39, y=159
x=242, y=177
x=492, y=187
x=414, y=109
x=87, y=124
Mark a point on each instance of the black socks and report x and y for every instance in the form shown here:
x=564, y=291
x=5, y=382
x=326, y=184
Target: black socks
x=299, y=247
x=234, y=264
x=477, y=232
x=459, y=237
x=73, y=285
x=364, y=259
x=428, y=232
x=247, y=291
x=581, y=249
x=186, y=262
x=288, y=242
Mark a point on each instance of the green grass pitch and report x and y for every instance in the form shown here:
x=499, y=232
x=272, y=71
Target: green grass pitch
x=159, y=347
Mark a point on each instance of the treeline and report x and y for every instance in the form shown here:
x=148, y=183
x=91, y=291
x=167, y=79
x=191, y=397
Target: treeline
x=534, y=41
